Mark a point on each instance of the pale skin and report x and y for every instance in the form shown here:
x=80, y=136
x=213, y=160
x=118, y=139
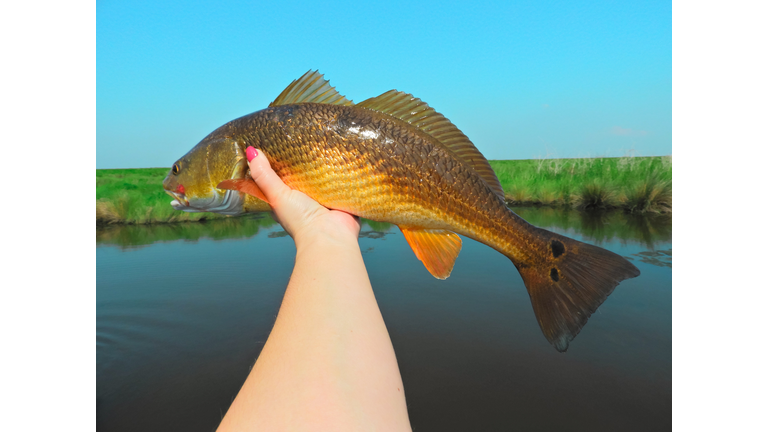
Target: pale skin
x=329, y=363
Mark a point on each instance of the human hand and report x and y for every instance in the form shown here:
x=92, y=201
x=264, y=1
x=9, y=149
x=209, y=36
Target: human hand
x=301, y=216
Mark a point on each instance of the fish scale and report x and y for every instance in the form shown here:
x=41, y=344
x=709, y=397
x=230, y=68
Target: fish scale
x=465, y=204
x=392, y=158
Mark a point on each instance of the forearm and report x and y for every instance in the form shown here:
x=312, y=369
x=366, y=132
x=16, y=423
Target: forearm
x=329, y=362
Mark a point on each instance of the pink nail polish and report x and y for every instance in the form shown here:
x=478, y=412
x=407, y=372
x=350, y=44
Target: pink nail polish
x=251, y=153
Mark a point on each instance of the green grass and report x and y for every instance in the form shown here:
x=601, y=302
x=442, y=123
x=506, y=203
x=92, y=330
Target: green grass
x=634, y=184
x=136, y=196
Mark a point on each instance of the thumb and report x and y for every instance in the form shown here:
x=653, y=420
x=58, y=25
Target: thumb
x=264, y=176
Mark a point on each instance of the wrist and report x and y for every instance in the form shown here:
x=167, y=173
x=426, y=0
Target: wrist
x=325, y=239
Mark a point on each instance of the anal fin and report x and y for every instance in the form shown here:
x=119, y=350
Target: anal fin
x=436, y=249
x=247, y=186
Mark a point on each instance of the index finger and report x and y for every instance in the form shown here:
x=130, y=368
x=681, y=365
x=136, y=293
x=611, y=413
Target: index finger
x=265, y=177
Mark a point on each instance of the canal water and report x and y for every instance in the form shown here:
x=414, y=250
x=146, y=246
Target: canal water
x=183, y=311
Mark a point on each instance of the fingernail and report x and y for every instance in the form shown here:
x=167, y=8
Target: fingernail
x=251, y=153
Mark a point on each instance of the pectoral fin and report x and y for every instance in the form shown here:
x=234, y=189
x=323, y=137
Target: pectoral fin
x=247, y=186
x=437, y=249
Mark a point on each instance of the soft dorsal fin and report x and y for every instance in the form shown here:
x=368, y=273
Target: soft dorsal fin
x=311, y=87
x=436, y=249
x=416, y=112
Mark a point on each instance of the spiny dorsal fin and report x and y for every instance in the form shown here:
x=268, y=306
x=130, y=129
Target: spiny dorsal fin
x=311, y=87
x=416, y=112
x=436, y=249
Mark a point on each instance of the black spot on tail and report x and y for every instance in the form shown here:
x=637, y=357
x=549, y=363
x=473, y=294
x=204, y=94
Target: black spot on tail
x=554, y=275
x=557, y=248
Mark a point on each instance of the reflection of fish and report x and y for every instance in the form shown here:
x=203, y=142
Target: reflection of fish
x=393, y=158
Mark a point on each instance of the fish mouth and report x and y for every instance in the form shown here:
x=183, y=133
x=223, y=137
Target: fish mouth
x=230, y=203
x=180, y=201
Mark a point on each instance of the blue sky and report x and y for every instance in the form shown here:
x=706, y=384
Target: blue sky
x=521, y=79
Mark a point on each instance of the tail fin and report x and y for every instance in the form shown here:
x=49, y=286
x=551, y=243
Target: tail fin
x=568, y=286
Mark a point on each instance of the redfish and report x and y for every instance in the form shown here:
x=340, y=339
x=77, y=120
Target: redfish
x=392, y=158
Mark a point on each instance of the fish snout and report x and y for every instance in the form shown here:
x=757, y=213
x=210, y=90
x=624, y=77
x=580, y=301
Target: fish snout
x=176, y=191
x=169, y=182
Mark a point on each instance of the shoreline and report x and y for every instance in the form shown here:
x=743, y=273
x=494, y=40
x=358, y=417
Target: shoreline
x=629, y=184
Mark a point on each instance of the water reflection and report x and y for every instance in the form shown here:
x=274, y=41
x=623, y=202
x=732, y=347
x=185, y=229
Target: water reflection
x=369, y=229
x=277, y=234
x=180, y=323
x=661, y=258
x=603, y=226
x=598, y=227
x=220, y=229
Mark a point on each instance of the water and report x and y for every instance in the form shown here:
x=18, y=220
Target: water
x=183, y=312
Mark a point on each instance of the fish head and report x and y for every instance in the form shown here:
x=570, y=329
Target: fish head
x=193, y=179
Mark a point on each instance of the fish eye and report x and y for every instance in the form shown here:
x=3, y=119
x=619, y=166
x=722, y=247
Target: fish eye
x=176, y=168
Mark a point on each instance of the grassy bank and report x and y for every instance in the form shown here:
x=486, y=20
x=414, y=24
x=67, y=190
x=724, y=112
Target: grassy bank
x=136, y=196
x=634, y=184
